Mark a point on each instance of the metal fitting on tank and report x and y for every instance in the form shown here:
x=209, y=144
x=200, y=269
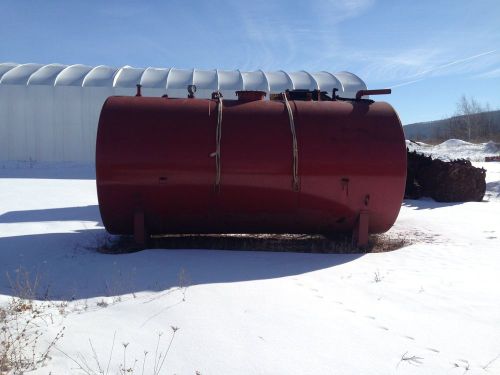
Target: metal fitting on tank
x=191, y=90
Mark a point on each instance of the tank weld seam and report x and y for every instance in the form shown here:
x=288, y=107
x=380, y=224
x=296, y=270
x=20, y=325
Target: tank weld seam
x=218, y=137
x=295, y=148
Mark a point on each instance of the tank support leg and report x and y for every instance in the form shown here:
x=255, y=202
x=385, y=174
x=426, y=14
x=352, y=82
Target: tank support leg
x=360, y=232
x=140, y=233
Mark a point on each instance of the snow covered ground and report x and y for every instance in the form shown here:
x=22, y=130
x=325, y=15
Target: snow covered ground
x=457, y=149
x=429, y=308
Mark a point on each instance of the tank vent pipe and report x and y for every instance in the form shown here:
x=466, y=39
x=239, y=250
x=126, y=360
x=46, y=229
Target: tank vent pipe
x=361, y=93
x=138, y=90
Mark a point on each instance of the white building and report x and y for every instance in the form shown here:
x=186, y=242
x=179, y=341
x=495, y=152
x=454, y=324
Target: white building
x=50, y=112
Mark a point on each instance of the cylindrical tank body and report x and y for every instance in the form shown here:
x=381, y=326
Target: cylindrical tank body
x=156, y=156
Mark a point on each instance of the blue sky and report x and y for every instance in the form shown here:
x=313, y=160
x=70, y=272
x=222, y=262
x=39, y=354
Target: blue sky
x=430, y=52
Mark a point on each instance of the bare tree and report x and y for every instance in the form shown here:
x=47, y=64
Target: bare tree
x=471, y=121
x=468, y=118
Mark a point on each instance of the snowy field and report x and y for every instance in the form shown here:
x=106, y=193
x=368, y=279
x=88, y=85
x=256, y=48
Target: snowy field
x=432, y=307
x=457, y=149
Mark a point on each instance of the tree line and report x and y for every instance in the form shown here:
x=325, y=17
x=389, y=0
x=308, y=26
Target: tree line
x=472, y=122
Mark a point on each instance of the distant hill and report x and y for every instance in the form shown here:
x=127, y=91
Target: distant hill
x=480, y=127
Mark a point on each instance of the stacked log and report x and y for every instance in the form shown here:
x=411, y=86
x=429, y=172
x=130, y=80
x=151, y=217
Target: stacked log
x=444, y=181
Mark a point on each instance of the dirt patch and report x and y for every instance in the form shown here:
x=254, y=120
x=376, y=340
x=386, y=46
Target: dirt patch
x=304, y=243
x=444, y=181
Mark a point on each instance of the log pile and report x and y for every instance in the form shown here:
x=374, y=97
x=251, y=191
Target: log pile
x=444, y=181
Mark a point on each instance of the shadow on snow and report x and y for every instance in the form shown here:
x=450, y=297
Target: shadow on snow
x=68, y=265
x=82, y=213
x=428, y=204
x=47, y=170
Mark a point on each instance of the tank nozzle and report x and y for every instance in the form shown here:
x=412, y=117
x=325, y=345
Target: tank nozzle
x=334, y=93
x=191, y=90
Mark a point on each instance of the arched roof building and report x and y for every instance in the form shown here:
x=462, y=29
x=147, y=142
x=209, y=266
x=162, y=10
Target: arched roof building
x=50, y=112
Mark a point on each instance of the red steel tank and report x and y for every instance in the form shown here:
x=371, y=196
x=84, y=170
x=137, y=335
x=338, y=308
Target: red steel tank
x=250, y=165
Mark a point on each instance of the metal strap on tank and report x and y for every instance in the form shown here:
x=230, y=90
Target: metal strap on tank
x=218, y=136
x=295, y=150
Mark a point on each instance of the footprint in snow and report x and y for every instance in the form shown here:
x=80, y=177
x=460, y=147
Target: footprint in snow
x=432, y=350
x=384, y=328
x=410, y=338
x=370, y=317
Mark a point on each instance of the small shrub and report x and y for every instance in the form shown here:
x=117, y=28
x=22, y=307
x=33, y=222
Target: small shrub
x=102, y=303
x=21, y=327
x=125, y=367
x=20, y=333
x=377, y=278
